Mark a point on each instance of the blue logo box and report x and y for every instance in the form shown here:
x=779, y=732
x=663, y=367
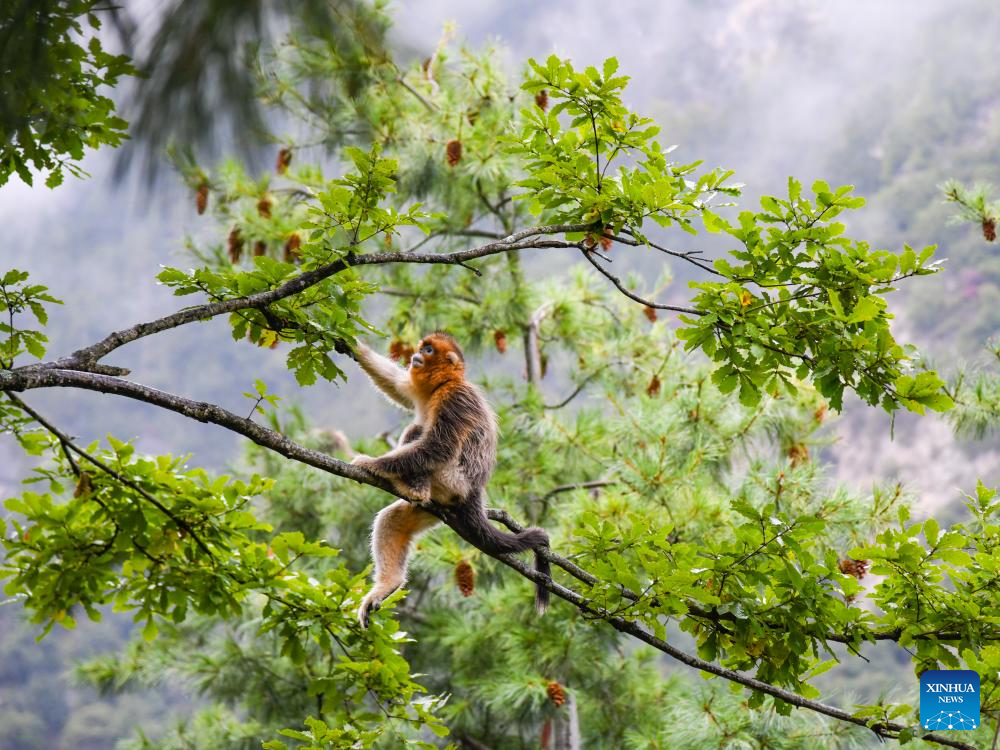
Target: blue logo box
x=949, y=699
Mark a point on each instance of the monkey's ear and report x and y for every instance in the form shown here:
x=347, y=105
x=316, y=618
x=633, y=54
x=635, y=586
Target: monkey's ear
x=453, y=358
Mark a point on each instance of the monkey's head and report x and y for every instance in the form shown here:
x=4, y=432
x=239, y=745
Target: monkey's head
x=437, y=360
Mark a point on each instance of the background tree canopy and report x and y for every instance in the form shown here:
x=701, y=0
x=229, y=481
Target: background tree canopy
x=662, y=435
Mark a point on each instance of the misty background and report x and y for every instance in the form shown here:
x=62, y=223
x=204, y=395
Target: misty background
x=893, y=97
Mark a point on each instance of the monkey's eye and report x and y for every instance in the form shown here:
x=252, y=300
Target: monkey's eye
x=428, y=349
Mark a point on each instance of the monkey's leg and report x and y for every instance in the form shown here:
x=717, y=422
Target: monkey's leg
x=396, y=526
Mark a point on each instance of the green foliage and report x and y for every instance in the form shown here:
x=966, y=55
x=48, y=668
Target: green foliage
x=54, y=108
x=977, y=396
x=18, y=298
x=975, y=204
x=568, y=169
x=164, y=542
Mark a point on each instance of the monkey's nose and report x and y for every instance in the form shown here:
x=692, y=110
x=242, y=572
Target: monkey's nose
x=416, y=361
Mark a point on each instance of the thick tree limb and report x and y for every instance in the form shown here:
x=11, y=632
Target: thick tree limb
x=51, y=377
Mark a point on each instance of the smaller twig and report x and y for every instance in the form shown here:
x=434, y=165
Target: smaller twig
x=587, y=253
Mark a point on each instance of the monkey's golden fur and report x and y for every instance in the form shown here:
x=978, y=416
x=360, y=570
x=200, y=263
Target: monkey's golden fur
x=446, y=455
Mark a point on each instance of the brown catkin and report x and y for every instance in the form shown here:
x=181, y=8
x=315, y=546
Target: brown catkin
x=556, y=693
x=500, y=339
x=264, y=207
x=989, y=229
x=259, y=248
x=284, y=160
x=201, y=198
x=650, y=313
x=465, y=578
x=235, y=245
x=453, y=152
x=542, y=99
x=292, y=245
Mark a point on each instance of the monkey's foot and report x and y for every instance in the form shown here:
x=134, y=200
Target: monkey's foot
x=421, y=494
x=362, y=461
x=371, y=603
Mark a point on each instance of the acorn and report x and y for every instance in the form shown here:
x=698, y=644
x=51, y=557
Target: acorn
x=542, y=99
x=292, y=245
x=465, y=578
x=556, y=693
x=500, y=339
x=284, y=160
x=201, y=198
x=453, y=152
x=235, y=245
x=989, y=229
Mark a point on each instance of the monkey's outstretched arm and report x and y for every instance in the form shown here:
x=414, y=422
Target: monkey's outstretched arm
x=389, y=377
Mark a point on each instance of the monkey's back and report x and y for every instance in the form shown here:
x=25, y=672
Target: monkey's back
x=463, y=413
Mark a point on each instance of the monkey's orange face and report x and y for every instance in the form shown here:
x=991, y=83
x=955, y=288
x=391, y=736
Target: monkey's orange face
x=438, y=358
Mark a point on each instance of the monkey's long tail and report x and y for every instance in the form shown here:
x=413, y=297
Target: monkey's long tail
x=471, y=522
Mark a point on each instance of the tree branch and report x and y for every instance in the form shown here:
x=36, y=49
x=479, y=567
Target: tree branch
x=49, y=377
x=589, y=255
x=88, y=357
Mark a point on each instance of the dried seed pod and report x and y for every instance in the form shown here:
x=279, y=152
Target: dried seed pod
x=453, y=152
x=235, y=245
x=500, y=339
x=284, y=160
x=84, y=485
x=259, y=248
x=606, y=239
x=201, y=198
x=650, y=313
x=851, y=567
x=556, y=693
x=542, y=99
x=400, y=351
x=653, y=389
x=292, y=245
x=465, y=578
x=798, y=454
x=989, y=229
x=264, y=207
